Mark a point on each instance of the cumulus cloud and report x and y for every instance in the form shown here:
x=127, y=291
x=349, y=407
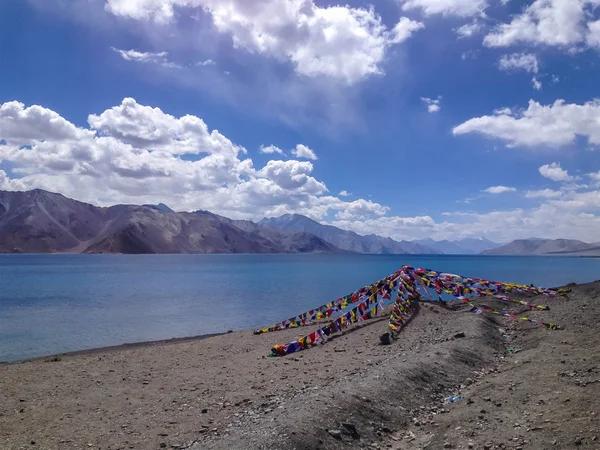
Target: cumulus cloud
x=345, y=193
x=293, y=175
x=537, y=85
x=361, y=209
x=133, y=153
x=554, y=172
x=559, y=23
x=447, y=7
x=270, y=149
x=499, y=189
x=519, y=61
x=553, y=125
x=338, y=41
x=433, y=105
x=302, y=151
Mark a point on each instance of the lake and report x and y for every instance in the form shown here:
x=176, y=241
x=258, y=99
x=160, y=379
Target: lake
x=58, y=303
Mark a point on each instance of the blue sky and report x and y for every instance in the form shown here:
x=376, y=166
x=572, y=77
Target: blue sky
x=441, y=118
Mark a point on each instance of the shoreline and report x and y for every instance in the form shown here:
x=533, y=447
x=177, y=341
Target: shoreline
x=197, y=393
x=118, y=347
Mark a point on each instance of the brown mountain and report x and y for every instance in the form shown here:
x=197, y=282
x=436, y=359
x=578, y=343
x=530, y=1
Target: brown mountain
x=43, y=222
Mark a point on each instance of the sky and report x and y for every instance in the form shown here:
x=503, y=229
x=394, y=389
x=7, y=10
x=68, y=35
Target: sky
x=405, y=118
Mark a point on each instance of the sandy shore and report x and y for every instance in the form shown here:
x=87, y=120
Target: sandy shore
x=222, y=392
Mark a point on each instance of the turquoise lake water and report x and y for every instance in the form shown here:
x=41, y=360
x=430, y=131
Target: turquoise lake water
x=57, y=303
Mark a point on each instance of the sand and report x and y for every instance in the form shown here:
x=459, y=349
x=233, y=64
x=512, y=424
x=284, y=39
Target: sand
x=222, y=392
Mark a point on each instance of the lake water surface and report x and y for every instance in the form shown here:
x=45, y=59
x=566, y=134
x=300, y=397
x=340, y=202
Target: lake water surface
x=57, y=303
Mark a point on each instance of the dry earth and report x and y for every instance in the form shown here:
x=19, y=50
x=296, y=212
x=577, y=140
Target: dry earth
x=223, y=393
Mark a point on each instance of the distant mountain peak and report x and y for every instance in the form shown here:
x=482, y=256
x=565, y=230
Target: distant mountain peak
x=161, y=207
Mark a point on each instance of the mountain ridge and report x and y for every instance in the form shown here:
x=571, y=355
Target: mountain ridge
x=539, y=246
x=466, y=246
x=345, y=239
x=38, y=221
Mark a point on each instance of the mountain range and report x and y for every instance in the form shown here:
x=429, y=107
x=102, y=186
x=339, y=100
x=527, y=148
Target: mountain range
x=466, y=246
x=42, y=222
x=344, y=239
x=38, y=221
x=538, y=246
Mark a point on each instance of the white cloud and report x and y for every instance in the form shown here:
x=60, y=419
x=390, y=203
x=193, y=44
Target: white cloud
x=302, y=151
x=136, y=154
x=554, y=125
x=447, y=7
x=206, y=62
x=293, y=175
x=593, y=34
x=470, y=54
x=338, y=41
x=147, y=57
x=499, y=189
x=361, y=209
x=557, y=219
x=433, y=105
x=519, y=61
x=543, y=193
x=554, y=172
x=133, y=153
x=595, y=176
x=345, y=194
x=503, y=111
x=560, y=23
x=271, y=149
x=150, y=128
x=469, y=29
x=537, y=85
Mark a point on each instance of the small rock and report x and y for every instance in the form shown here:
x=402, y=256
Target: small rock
x=487, y=445
x=447, y=445
x=579, y=441
x=351, y=429
x=162, y=445
x=336, y=434
x=460, y=335
x=204, y=411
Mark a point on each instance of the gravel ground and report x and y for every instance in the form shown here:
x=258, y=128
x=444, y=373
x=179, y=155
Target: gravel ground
x=223, y=393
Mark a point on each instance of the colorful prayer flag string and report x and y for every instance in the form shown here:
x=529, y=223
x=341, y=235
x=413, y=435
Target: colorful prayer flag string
x=327, y=310
x=411, y=285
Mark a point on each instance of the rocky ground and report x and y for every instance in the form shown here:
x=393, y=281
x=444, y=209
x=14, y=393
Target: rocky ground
x=521, y=386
